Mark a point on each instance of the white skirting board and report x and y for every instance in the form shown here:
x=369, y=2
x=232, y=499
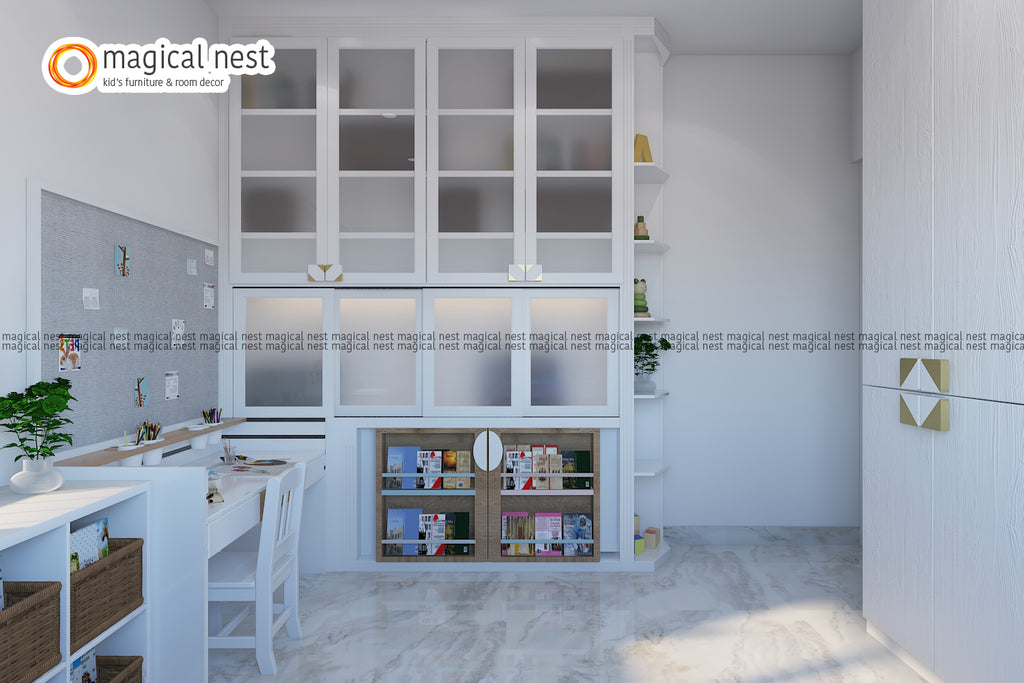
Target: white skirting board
x=907, y=658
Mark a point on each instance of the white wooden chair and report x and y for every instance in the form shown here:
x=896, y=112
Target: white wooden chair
x=254, y=577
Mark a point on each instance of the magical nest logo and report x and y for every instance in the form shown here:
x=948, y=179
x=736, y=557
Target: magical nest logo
x=75, y=66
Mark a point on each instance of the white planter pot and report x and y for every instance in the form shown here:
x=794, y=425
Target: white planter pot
x=36, y=476
x=643, y=385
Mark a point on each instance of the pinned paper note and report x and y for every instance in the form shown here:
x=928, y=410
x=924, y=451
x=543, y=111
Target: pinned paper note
x=190, y=266
x=70, y=348
x=141, y=392
x=177, y=333
x=171, y=385
x=90, y=299
x=121, y=260
x=119, y=339
x=209, y=257
x=209, y=295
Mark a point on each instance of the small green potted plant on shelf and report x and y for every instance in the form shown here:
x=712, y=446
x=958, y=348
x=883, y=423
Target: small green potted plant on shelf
x=35, y=418
x=646, y=361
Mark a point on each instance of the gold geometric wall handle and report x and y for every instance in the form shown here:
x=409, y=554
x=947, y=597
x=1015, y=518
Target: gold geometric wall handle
x=935, y=411
x=925, y=374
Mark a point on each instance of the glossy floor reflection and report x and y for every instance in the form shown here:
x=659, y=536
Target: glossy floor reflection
x=751, y=613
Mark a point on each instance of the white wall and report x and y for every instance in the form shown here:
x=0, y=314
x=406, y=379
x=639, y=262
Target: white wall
x=156, y=155
x=763, y=215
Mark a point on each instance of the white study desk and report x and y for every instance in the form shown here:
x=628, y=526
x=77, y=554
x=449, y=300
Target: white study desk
x=240, y=511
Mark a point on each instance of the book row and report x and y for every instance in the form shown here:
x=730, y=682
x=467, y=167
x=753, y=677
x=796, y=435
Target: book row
x=427, y=464
x=544, y=467
x=526, y=534
x=434, y=533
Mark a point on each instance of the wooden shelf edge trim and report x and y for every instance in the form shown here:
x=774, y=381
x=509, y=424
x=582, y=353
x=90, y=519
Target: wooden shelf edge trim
x=108, y=456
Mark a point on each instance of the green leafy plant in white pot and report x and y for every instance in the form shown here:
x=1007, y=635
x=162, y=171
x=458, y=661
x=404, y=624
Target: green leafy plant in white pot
x=35, y=417
x=646, y=361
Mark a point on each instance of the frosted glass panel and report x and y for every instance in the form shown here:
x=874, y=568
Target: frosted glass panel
x=577, y=376
x=377, y=204
x=574, y=79
x=278, y=204
x=574, y=204
x=475, y=255
x=375, y=143
x=360, y=255
x=574, y=143
x=574, y=255
x=376, y=79
x=379, y=376
x=475, y=79
x=278, y=256
x=278, y=143
x=283, y=378
x=291, y=86
x=475, y=143
x=467, y=377
x=475, y=205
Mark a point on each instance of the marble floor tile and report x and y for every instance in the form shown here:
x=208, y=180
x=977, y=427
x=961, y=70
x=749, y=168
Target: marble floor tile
x=710, y=613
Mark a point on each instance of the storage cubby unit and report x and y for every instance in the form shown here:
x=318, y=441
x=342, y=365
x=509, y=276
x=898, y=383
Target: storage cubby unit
x=544, y=495
x=35, y=541
x=404, y=455
x=404, y=485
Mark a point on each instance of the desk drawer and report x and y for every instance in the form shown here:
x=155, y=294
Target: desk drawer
x=225, y=529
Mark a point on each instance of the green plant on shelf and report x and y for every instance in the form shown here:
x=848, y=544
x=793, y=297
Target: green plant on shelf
x=645, y=353
x=34, y=417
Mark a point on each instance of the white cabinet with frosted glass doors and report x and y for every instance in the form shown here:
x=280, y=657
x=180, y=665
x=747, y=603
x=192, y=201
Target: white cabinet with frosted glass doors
x=327, y=158
x=413, y=161
x=523, y=146
x=443, y=352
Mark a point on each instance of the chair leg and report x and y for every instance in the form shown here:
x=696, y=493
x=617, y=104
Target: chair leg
x=291, y=600
x=265, y=633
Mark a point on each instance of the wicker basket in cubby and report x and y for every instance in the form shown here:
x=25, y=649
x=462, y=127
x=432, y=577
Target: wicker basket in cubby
x=119, y=669
x=106, y=591
x=29, y=630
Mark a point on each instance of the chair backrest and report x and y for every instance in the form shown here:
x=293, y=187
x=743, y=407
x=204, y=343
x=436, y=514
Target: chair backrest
x=282, y=518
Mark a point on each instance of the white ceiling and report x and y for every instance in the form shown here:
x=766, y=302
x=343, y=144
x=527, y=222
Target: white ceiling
x=696, y=26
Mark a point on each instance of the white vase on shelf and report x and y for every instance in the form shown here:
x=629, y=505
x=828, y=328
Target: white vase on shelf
x=643, y=385
x=36, y=476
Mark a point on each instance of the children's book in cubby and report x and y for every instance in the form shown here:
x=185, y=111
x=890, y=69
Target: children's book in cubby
x=429, y=505
x=548, y=502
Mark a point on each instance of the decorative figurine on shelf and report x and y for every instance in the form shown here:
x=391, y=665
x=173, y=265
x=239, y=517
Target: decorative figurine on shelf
x=642, y=149
x=640, y=299
x=640, y=229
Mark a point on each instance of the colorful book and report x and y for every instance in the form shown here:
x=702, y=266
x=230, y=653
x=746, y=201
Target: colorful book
x=511, y=467
x=515, y=526
x=407, y=456
x=434, y=467
x=554, y=466
x=407, y=528
x=393, y=466
x=83, y=669
x=456, y=526
x=89, y=544
x=576, y=462
x=463, y=463
x=577, y=526
x=395, y=531
x=431, y=533
x=449, y=465
x=422, y=459
x=548, y=527
x=540, y=468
